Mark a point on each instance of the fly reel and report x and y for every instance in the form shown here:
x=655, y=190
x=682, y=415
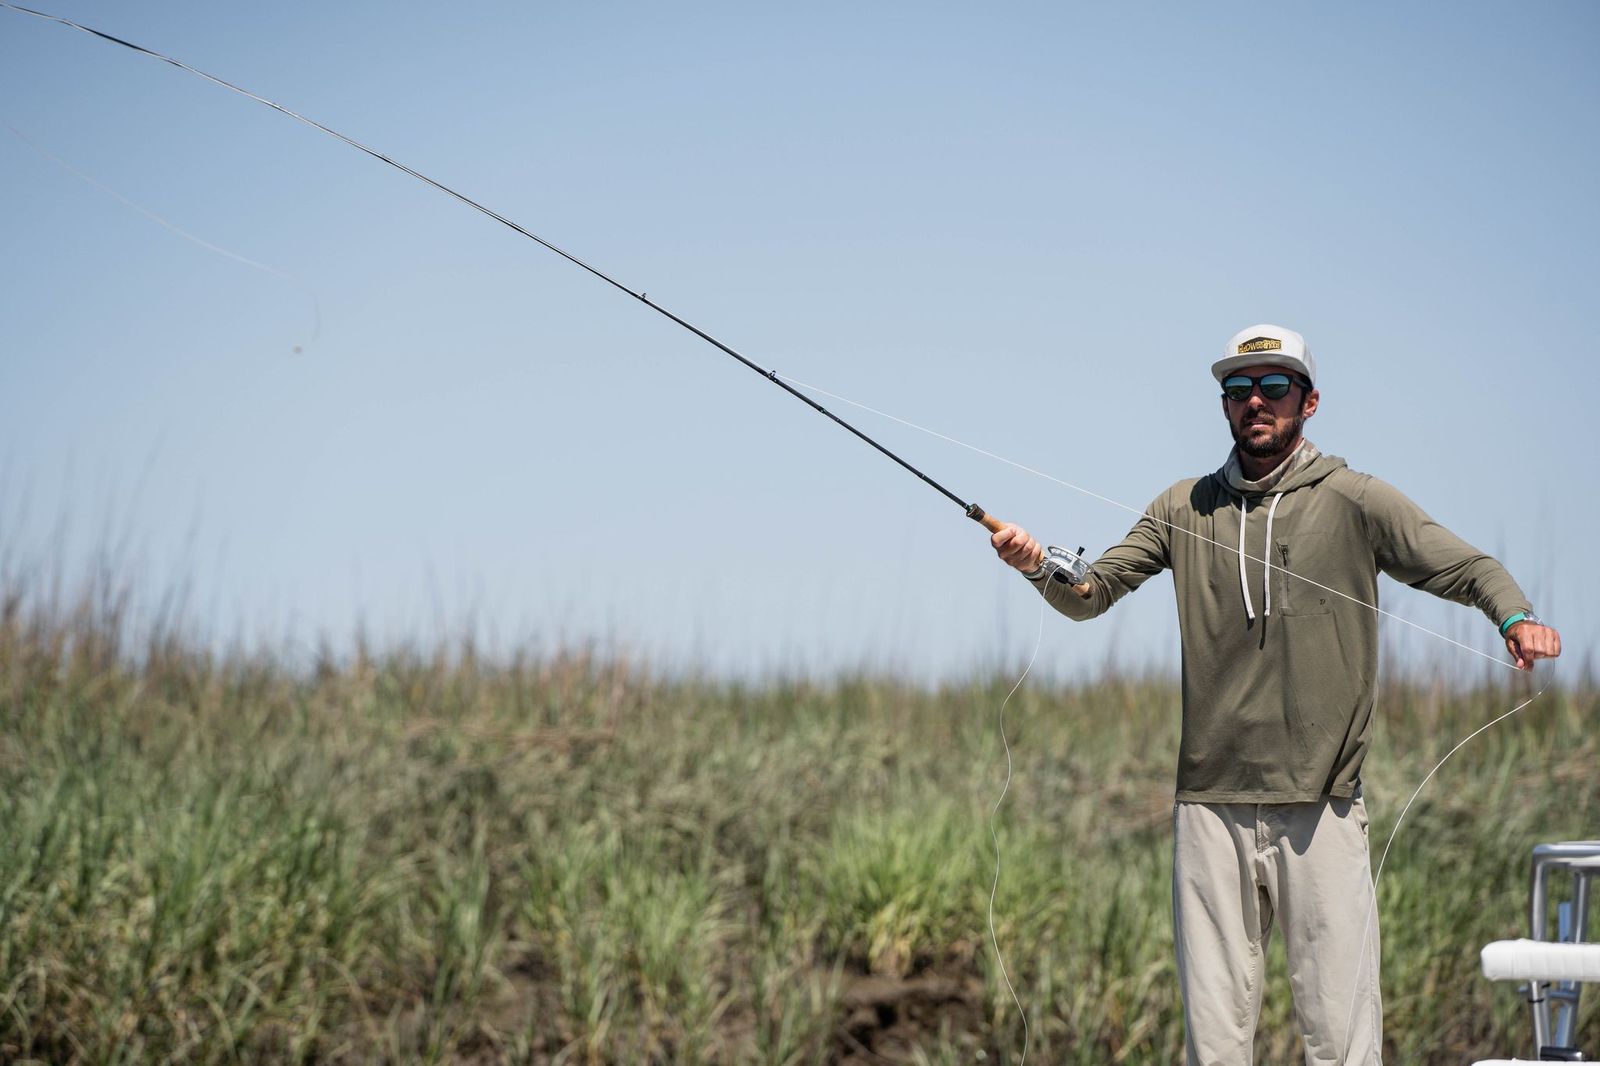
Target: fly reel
x=1069, y=568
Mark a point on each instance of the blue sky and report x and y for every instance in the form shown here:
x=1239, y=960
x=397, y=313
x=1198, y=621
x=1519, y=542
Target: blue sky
x=1030, y=227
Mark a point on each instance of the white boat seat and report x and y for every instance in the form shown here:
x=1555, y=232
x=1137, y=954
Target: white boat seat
x=1540, y=960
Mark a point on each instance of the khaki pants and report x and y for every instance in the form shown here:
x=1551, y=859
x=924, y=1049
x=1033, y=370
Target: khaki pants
x=1235, y=867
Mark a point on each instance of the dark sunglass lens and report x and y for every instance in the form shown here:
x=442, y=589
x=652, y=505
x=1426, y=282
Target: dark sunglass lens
x=1236, y=388
x=1275, y=386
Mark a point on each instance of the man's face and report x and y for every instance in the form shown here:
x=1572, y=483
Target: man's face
x=1263, y=428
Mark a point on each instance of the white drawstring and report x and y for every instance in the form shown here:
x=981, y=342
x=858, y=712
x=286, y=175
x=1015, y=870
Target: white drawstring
x=1244, y=583
x=1266, y=550
x=1266, y=557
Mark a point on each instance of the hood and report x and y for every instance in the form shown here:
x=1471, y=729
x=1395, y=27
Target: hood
x=1313, y=471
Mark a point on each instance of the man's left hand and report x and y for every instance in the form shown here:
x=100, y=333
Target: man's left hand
x=1528, y=641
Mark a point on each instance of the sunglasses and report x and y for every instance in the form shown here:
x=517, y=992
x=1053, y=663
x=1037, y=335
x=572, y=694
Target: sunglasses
x=1236, y=387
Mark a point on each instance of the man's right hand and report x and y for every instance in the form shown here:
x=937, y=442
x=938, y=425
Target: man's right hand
x=1016, y=548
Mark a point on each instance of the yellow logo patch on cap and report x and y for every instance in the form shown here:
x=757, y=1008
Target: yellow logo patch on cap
x=1261, y=344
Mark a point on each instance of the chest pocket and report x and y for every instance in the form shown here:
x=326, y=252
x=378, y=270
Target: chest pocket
x=1307, y=554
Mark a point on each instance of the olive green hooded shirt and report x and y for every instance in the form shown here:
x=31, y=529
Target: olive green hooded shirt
x=1278, y=674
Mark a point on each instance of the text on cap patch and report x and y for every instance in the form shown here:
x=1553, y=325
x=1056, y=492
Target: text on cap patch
x=1261, y=344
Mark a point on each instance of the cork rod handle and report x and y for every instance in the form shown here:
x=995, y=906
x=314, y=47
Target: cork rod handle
x=985, y=519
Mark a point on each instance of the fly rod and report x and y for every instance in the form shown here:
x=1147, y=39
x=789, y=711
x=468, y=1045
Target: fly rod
x=1063, y=565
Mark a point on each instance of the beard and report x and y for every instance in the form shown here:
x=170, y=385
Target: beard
x=1276, y=443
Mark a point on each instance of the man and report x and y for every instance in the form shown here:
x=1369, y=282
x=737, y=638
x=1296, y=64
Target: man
x=1278, y=676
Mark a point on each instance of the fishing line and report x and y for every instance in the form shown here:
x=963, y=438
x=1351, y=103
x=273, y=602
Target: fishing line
x=972, y=510
x=994, y=814
x=1231, y=549
x=316, y=307
x=789, y=385
x=1377, y=879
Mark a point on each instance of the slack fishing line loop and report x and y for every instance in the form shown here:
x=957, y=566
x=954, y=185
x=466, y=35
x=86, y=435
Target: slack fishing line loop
x=1377, y=879
x=994, y=836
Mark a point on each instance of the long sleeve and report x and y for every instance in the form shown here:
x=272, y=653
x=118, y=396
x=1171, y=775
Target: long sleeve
x=1412, y=548
x=1125, y=566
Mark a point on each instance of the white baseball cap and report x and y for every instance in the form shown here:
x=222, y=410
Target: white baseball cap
x=1266, y=345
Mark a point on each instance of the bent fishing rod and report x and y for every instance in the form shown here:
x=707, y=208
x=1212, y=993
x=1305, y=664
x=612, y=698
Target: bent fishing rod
x=1065, y=566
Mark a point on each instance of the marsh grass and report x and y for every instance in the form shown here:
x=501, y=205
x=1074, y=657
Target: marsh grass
x=425, y=856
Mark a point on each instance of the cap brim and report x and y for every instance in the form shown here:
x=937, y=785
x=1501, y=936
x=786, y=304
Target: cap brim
x=1223, y=368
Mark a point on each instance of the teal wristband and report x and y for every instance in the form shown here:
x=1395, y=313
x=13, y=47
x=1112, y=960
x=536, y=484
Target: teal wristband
x=1520, y=616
